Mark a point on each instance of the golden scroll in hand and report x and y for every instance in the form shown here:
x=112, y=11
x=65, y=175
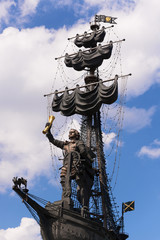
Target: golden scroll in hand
x=51, y=118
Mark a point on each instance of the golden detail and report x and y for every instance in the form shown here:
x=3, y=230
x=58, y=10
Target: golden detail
x=51, y=118
x=108, y=19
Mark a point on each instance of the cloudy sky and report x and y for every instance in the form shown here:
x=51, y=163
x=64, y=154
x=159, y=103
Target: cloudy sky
x=32, y=34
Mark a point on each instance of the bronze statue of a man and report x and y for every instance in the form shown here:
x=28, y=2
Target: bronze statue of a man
x=77, y=164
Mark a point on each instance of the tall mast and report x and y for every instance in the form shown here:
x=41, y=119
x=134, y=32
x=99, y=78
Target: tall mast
x=94, y=135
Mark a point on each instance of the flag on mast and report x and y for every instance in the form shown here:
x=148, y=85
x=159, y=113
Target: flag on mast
x=105, y=19
x=128, y=206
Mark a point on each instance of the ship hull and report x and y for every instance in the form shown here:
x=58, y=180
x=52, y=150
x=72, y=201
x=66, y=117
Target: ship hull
x=65, y=224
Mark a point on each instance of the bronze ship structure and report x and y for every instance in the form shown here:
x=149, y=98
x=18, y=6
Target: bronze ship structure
x=83, y=174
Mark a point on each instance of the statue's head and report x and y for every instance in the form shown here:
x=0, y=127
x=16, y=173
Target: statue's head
x=73, y=134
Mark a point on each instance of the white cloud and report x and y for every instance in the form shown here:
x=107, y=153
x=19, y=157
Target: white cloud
x=131, y=119
x=16, y=12
x=156, y=141
x=28, y=7
x=142, y=55
x=28, y=229
x=27, y=70
x=150, y=151
x=108, y=139
x=137, y=118
x=5, y=6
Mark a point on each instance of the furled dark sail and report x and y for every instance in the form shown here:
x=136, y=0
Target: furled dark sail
x=90, y=59
x=90, y=40
x=85, y=103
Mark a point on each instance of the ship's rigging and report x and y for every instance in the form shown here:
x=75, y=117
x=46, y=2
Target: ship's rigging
x=112, y=115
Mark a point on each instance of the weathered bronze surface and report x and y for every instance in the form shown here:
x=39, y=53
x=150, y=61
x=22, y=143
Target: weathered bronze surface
x=77, y=164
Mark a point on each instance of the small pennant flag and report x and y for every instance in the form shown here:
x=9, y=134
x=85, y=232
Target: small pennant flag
x=128, y=206
x=106, y=19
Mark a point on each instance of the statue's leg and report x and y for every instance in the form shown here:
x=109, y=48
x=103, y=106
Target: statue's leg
x=81, y=191
x=67, y=203
x=87, y=190
x=84, y=187
x=63, y=176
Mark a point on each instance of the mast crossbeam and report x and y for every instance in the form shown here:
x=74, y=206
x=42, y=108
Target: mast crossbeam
x=89, y=33
x=91, y=49
x=91, y=84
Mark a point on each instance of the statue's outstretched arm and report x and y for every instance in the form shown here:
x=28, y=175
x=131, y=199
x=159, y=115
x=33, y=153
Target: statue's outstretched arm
x=57, y=143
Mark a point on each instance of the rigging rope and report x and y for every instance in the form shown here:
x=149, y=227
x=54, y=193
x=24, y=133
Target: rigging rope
x=40, y=200
x=33, y=212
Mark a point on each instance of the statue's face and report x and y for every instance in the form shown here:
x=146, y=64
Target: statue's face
x=72, y=134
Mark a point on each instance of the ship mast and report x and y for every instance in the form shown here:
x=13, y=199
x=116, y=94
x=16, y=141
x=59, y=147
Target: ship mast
x=94, y=132
x=88, y=103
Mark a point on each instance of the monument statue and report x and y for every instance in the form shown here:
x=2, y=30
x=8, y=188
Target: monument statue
x=77, y=164
x=87, y=209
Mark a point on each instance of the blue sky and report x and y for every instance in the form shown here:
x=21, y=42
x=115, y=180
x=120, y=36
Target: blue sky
x=32, y=34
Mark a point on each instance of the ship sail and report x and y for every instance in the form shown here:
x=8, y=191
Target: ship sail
x=90, y=40
x=89, y=59
x=85, y=103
